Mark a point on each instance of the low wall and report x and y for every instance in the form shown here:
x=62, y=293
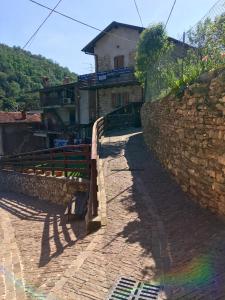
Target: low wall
x=187, y=135
x=59, y=190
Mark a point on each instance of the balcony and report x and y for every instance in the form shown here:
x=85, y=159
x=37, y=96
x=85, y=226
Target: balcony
x=57, y=102
x=42, y=130
x=114, y=77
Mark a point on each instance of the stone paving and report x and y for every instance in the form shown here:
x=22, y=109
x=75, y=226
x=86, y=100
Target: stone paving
x=37, y=246
x=154, y=233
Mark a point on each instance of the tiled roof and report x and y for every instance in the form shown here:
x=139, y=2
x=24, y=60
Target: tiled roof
x=17, y=117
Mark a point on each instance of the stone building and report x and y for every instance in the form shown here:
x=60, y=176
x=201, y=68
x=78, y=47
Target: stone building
x=70, y=109
x=113, y=84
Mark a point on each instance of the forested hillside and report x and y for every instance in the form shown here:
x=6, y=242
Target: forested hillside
x=20, y=72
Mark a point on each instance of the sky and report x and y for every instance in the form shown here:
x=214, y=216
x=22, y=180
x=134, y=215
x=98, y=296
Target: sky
x=62, y=40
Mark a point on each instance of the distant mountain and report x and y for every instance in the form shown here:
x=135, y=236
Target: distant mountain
x=20, y=72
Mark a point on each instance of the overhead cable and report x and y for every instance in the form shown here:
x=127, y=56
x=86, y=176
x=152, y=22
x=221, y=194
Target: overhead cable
x=81, y=22
x=138, y=12
x=39, y=27
x=170, y=13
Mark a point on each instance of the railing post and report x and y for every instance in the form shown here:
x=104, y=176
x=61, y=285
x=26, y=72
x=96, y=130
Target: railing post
x=51, y=156
x=94, y=188
x=65, y=163
x=33, y=158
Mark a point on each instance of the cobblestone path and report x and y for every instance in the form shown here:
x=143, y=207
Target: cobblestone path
x=154, y=233
x=37, y=246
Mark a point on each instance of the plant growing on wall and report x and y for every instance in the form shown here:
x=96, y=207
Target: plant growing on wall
x=207, y=53
x=163, y=66
x=153, y=44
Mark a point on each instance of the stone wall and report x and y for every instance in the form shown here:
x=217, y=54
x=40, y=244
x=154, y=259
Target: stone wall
x=187, y=134
x=58, y=190
x=120, y=41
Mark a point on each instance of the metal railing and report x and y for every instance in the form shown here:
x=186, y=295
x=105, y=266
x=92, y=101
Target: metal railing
x=69, y=161
x=97, y=133
x=107, y=78
x=57, y=101
x=76, y=161
x=128, y=115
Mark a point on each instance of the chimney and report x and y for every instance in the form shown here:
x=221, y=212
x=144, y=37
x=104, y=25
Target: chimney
x=45, y=81
x=66, y=80
x=23, y=115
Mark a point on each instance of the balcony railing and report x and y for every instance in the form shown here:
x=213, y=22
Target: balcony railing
x=108, y=78
x=50, y=102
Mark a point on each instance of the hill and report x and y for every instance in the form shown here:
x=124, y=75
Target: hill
x=20, y=72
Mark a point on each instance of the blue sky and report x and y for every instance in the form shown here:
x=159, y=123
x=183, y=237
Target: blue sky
x=62, y=40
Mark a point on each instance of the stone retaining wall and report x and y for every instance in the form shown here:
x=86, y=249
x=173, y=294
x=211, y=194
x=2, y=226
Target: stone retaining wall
x=187, y=134
x=55, y=189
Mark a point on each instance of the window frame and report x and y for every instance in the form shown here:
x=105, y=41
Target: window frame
x=119, y=62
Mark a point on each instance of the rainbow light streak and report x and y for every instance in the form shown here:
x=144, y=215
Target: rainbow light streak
x=19, y=283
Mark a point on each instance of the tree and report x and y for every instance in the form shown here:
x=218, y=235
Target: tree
x=21, y=71
x=163, y=65
x=152, y=46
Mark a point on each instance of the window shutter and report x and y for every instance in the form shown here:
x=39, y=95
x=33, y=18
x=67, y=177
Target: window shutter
x=121, y=61
x=116, y=62
x=113, y=100
x=125, y=98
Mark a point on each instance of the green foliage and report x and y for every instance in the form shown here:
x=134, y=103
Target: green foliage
x=152, y=45
x=21, y=72
x=209, y=41
x=163, y=67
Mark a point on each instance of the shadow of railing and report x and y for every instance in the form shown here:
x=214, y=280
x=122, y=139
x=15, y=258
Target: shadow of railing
x=54, y=223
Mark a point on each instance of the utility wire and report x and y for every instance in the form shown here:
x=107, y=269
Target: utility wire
x=66, y=16
x=48, y=16
x=138, y=12
x=80, y=22
x=170, y=13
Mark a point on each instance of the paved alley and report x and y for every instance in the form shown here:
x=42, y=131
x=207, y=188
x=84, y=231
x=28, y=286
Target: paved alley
x=154, y=233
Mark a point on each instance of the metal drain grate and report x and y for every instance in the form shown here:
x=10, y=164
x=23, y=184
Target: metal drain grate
x=129, y=289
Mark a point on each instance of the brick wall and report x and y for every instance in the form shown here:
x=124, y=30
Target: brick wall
x=57, y=190
x=187, y=135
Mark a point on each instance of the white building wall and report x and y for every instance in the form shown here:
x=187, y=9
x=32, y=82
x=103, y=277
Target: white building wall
x=84, y=107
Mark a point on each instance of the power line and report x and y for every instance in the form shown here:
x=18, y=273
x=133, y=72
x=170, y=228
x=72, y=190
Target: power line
x=48, y=16
x=80, y=22
x=138, y=13
x=170, y=13
x=66, y=16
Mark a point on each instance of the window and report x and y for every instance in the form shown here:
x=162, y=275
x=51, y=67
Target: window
x=120, y=99
x=119, y=61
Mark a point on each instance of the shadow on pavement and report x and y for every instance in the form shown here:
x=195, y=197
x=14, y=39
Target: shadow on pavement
x=54, y=225
x=192, y=239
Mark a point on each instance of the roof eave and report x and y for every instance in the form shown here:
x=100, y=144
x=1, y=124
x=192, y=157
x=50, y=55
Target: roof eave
x=89, y=48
